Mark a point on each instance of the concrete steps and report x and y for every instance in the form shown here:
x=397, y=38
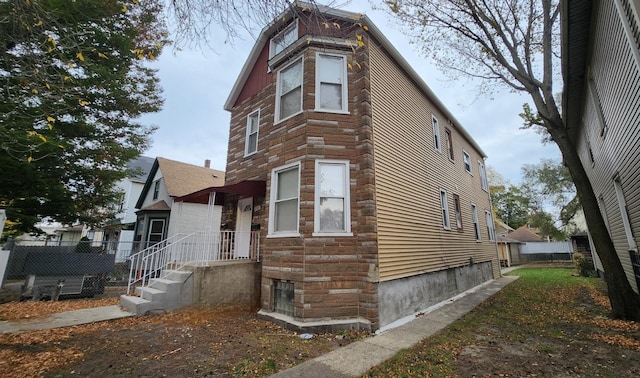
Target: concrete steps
x=174, y=291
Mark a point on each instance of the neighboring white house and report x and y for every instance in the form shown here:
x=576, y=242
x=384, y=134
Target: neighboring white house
x=119, y=236
x=160, y=217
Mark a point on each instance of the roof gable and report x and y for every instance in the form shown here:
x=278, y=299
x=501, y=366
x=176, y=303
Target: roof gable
x=268, y=31
x=524, y=234
x=181, y=178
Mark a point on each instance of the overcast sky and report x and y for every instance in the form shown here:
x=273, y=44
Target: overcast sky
x=193, y=126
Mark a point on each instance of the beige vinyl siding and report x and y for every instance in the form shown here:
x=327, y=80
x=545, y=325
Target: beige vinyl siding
x=616, y=76
x=409, y=174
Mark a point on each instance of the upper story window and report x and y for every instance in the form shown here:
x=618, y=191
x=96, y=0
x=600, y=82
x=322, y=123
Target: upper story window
x=467, y=161
x=476, y=223
x=332, y=204
x=456, y=206
x=289, y=91
x=156, y=189
x=285, y=201
x=331, y=88
x=283, y=39
x=436, y=133
x=447, y=133
x=444, y=205
x=251, y=140
x=483, y=176
x=491, y=232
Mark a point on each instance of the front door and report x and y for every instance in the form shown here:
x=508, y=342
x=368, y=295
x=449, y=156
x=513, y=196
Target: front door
x=156, y=231
x=243, y=227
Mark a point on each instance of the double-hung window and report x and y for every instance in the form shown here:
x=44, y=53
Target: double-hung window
x=283, y=39
x=289, y=91
x=331, y=88
x=467, y=161
x=456, y=206
x=447, y=133
x=444, y=205
x=436, y=133
x=285, y=201
x=251, y=140
x=483, y=176
x=491, y=232
x=332, y=204
x=476, y=223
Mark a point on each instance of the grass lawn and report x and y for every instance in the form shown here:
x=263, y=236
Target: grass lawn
x=547, y=323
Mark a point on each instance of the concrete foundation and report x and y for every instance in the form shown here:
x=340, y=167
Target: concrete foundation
x=229, y=285
x=406, y=296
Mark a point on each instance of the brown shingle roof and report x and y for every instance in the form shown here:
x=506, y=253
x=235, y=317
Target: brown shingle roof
x=524, y=234
x=182, y=178
x=157, y=206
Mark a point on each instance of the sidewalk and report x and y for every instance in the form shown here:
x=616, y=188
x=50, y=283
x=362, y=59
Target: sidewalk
x=64, y=319
x=357, y=358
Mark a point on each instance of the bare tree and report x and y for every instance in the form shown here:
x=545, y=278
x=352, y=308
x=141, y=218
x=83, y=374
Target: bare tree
x=192, y=20
x=516, y=43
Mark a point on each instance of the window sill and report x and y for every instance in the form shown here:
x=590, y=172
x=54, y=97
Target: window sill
x=334, y=111
x=284, y=235
x=251, y=154
x=275, y=122
x=322, y=234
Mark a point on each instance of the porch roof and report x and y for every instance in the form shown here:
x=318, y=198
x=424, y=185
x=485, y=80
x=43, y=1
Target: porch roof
x=248, y=188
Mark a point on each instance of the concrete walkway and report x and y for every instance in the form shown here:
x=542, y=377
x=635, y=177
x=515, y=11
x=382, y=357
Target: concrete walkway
x=64, y=319
x=357, y=358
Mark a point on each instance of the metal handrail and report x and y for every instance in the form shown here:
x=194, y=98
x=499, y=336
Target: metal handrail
x=198, y=248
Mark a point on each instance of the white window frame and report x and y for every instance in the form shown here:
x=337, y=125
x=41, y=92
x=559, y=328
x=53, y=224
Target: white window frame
x=293, y=27
x=483, y=176
x=444, y=206
x=491, y=231
x=457, y=207
x=343, y=82
x=437, y=142
x=476, y=222
x=272, y=201
x=624, y=214
x=450, y=150
x=249, y=133
x=466, y=160
x=346, y=198
x=279, y=89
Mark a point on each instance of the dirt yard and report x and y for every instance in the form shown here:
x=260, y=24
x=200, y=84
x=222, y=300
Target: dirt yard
x=187, y=343
x=552, y=325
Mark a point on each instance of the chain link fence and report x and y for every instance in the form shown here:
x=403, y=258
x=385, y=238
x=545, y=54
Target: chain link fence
x=80, y=269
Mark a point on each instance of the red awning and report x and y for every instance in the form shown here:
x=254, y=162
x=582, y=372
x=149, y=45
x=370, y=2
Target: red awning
x=247, y=188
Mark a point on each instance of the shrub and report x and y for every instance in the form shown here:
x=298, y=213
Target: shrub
x=583, y=265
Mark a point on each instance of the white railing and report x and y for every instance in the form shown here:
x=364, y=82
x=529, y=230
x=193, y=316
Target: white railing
x=198, y=248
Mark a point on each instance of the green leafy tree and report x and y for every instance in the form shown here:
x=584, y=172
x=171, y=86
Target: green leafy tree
x=549, y=182
x=510, y=205
x=545, y=222
x=517, y=44
x=74, y=83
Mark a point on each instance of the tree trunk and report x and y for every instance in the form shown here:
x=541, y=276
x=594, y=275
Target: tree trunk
x=625, y=303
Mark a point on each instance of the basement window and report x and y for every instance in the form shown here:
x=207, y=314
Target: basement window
x=283, y=297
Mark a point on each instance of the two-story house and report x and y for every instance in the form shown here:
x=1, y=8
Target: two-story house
x=377, y=203
x=161, y=216
x=601, y=108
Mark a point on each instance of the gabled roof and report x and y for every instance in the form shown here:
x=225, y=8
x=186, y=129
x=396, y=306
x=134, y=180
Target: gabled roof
x=181, y=178
x=141, y=167
x=524, y=234
x=270, y=29
x=157, y=206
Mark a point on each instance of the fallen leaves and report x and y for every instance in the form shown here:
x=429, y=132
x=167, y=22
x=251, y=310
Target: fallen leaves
x=32, y=310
